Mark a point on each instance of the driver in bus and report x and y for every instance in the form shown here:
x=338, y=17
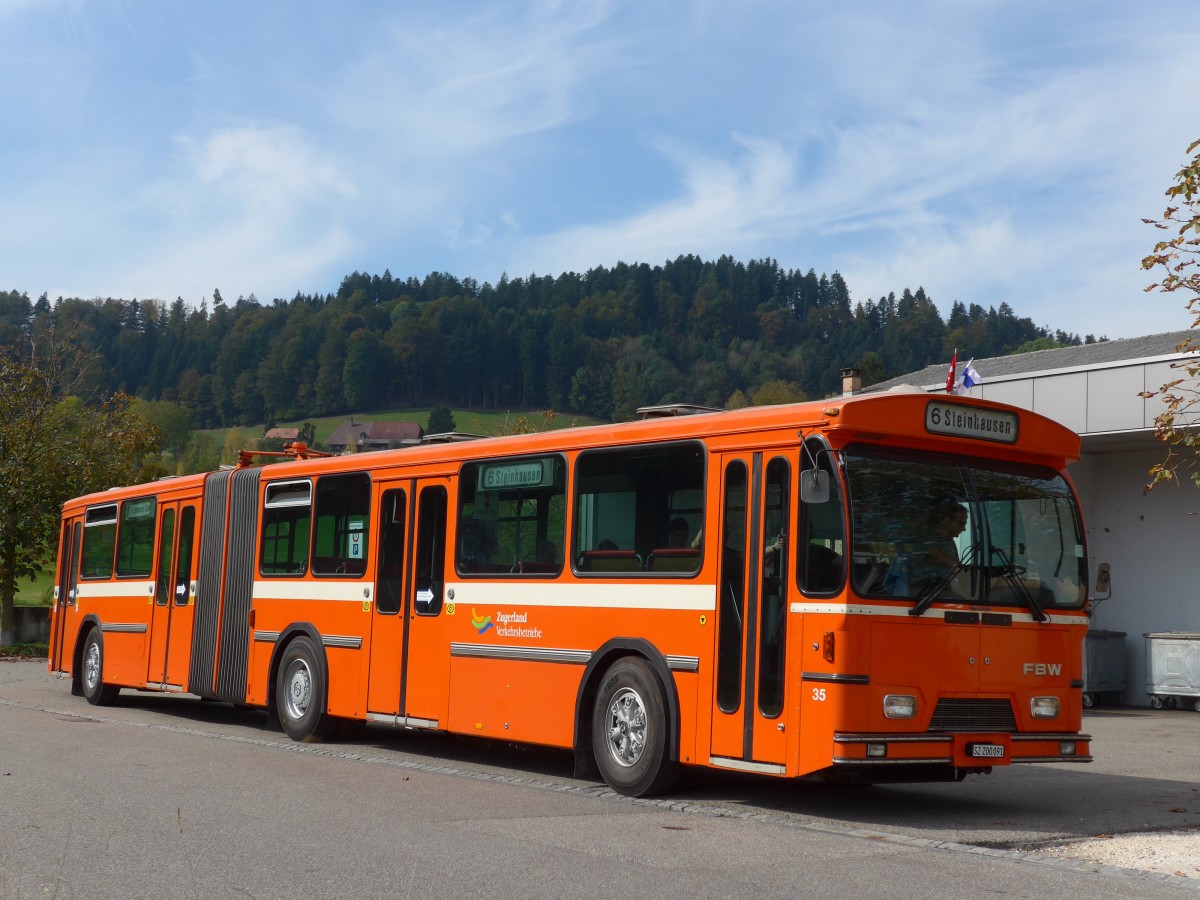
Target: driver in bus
x=939, y=552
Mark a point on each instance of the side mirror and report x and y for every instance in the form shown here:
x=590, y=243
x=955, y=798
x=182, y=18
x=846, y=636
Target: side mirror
x=814, y=486
x=1103, y=580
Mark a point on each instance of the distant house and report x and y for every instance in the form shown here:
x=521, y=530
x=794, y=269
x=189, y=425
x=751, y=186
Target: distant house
x=382, y=435
x=348, y=434
x=359, y=436
x=287, y=435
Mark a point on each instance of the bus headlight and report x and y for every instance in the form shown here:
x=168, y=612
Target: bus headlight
x=1044, y=707
x=899, y=706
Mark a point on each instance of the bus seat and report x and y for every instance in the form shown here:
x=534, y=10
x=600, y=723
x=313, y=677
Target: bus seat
x=531, y=567
x=610, y=561
x=675, y=559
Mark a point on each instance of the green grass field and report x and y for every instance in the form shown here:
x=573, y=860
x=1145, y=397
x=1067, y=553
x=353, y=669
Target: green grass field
x=38, y=592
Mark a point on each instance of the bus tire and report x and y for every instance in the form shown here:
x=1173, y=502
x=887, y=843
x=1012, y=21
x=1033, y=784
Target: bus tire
x=91, y=678
x=629, y=730
x=300, y=693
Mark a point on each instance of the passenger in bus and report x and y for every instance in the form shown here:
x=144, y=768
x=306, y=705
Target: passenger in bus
x=677, y=535
x=546, y=552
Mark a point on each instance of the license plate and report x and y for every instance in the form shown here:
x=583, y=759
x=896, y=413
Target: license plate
x=986, y=751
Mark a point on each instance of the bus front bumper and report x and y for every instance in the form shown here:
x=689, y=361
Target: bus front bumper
x=970, y=751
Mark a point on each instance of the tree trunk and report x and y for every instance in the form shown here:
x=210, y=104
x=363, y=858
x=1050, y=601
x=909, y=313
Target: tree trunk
x=8, y=618
x=8, y=593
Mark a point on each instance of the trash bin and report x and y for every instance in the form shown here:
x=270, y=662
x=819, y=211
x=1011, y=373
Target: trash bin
x=1103, y=667
x=1173, y=668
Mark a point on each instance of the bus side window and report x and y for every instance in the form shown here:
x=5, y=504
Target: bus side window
x=135, y=538
x=639, y=510
x=342, y=524
x=99, y=541
x=511, y=516
x=821, y=563
x=287, y=518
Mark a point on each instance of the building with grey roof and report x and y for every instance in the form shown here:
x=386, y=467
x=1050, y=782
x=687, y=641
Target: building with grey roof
x=1148, y=538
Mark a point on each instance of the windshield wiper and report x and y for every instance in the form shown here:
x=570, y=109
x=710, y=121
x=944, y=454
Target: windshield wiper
x=1011, y=574
x=926, y=599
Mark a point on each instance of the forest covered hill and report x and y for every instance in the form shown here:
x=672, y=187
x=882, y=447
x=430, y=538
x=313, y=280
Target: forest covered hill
x=600, y=343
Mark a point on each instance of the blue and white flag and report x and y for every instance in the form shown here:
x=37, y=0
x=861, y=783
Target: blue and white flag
x=968, y=378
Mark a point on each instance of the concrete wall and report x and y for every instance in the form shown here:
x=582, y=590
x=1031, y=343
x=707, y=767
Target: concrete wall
x=1150, y=540
x=32, y=624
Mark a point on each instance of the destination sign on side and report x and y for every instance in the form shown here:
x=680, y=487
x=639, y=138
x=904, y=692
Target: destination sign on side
x=971, y=422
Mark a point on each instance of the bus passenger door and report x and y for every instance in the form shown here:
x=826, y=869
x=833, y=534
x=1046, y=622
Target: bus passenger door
x=64, y=595
x=426, y=679
x=409, y=668
x=171, y=619
x=749, y=722
x=387, y=619
x=160, y=616
x=183, y=598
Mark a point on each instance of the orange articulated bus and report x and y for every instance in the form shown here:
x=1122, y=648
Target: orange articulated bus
x=880, y=588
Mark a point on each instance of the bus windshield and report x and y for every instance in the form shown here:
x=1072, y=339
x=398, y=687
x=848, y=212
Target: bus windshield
x=934, y=528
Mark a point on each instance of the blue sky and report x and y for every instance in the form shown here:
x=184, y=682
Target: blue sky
x=988, y=151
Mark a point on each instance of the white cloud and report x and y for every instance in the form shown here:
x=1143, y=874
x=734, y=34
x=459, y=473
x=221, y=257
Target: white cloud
x=988, y=152
x=468, y=83
x=271, y=167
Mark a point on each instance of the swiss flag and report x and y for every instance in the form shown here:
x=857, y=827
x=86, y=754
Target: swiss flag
x=950, y=376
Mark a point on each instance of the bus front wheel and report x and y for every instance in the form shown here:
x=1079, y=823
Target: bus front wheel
x=95, y=690
x=300, y=693
x=629, y=730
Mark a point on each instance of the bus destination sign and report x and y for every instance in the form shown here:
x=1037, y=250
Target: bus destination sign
x=510, y=475
x=971, y=422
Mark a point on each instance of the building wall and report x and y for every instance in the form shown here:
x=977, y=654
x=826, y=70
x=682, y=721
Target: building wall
x=1150, y=541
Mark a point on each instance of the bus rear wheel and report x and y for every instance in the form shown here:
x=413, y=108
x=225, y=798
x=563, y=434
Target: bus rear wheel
x=91, y=679
x=300, y=693
x=629, y=730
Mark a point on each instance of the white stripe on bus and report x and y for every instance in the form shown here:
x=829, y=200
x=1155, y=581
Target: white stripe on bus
x=139, y=589
x=883, y=609
x=622, y=595
x=298, y=589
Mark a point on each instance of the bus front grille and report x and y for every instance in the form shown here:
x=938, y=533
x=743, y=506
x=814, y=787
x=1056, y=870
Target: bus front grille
x=957, y=714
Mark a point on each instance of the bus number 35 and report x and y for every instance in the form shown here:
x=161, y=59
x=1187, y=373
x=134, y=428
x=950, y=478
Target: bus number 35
x=819, y=694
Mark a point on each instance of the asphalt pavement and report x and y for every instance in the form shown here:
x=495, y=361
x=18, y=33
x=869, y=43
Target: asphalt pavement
x=163, y=796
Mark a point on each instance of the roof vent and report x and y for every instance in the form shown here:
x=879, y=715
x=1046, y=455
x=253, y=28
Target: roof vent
x=451, y=437
x=675, y=409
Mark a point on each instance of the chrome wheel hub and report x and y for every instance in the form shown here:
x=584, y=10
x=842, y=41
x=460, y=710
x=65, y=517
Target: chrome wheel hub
x=299, y=689
x=626, y=727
